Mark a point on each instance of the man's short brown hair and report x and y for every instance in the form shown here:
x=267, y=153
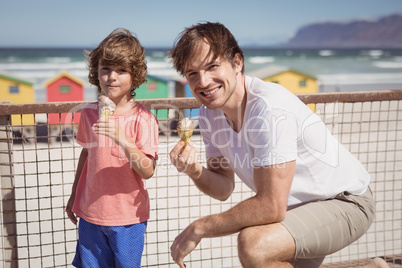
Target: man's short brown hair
x=221, y=41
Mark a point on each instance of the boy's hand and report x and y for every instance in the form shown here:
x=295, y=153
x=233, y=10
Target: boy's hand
x=109, y=128
x=69, y=211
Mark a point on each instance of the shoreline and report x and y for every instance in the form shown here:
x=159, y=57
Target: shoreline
x=90, y=93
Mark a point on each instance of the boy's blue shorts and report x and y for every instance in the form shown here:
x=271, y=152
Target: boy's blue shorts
x=109, y=246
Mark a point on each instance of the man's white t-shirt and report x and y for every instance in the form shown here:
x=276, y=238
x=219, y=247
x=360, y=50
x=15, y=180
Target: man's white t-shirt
x=279, y=128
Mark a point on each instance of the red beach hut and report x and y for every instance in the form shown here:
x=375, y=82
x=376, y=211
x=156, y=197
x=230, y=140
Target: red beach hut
x=64, y=87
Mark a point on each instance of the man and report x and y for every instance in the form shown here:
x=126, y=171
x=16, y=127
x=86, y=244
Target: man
x=311, y=195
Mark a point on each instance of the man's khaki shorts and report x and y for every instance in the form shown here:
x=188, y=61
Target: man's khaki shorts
x=324, y=227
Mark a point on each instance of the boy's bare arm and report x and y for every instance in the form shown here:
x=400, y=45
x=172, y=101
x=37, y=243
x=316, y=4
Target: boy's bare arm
x=70, y=203
x=141, y=163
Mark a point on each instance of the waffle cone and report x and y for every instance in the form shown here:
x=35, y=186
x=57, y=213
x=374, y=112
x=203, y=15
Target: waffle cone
x=185, y=135
x=105, y=113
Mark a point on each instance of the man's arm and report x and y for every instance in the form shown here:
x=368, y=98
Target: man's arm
x=217, y=180
x=267, y=206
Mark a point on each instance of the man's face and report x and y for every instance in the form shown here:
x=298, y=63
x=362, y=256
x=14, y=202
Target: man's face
x=211, y=81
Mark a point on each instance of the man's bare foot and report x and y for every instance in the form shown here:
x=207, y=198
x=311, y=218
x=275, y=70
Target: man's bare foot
x=377, y=263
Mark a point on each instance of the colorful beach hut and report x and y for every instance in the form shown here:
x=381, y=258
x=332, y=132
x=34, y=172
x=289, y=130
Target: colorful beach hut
x=155, y=88
x=16, y=90
x=295, y=81
x=64, y=87
x=182, y=89
x=193, y=113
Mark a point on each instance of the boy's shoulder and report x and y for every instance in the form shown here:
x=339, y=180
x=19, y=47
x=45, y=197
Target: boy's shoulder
x=91, y=105
x=143, y=111
x=90, y=109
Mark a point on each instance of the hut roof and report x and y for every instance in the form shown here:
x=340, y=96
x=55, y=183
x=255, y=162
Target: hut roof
x=64, y=74
x=271, y=70
x=9, y=77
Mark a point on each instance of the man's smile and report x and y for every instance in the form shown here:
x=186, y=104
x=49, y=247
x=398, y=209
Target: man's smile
x=210, y=92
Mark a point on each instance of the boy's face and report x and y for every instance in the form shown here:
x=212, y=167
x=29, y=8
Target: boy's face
x=115, y=81
x=212, y=82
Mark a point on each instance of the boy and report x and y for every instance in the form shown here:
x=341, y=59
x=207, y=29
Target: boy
x=118, y=154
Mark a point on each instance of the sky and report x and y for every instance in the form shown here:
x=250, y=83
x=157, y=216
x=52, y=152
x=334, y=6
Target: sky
x=156, y=23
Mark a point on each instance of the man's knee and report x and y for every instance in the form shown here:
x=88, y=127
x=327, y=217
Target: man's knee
x=251, y=245
x=265, y=244
x=245, y=241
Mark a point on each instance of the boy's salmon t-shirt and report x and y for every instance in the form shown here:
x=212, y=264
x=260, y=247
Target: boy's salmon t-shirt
x=109, y=191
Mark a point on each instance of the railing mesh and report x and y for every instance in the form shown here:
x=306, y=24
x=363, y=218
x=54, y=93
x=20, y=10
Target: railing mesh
x=38, y=162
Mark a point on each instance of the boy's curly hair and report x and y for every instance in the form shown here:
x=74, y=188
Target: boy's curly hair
x=120, y=48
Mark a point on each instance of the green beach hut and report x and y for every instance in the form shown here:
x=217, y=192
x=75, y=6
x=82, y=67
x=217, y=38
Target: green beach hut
x=156, y=88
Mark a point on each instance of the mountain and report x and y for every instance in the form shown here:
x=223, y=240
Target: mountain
x=385, y=32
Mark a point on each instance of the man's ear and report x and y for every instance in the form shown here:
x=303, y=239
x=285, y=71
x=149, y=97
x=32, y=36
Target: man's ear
x=238, y=61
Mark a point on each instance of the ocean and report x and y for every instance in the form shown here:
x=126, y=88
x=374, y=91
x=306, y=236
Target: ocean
x=336, y=70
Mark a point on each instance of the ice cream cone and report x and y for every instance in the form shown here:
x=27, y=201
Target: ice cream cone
x=185, y=135
x=106, y=107
x=185, y=130
x=105, y=113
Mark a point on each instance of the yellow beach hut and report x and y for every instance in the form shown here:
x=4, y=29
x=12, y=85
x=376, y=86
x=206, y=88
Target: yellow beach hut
x=295, y=81
x=16, y=90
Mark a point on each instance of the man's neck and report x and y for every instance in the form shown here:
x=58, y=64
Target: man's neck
x=235, y=108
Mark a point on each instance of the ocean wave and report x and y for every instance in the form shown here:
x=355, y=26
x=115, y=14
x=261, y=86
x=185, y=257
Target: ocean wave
x=360, y=78
x=326, y=53
x=329, y=70
x=261, y=60
x=42, y=66
x=168, y=73
x=387, y=64
x=67, y=66
x=375, y=53
x=158, y=54
x=158, y=65
x=58, y=59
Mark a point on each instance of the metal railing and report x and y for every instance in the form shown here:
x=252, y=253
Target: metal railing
x=38, y=162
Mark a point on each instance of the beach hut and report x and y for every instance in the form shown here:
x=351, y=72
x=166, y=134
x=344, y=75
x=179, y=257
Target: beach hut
x=64, y=87
x=156, y=87
x=182, y=89
x=295, y=81
x=16, y=90
x=193, y=113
